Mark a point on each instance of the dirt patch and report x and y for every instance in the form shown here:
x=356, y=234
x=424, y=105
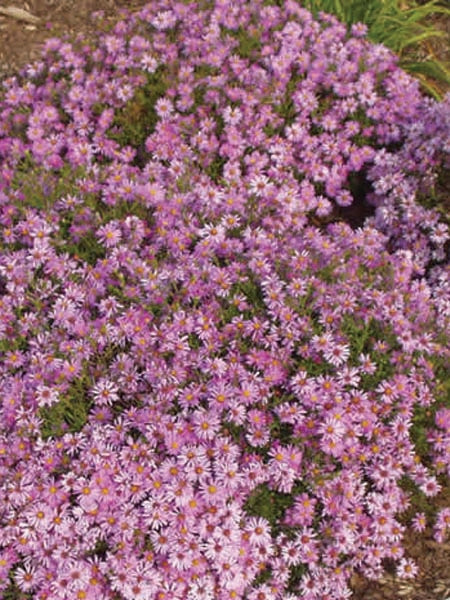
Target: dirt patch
x=433, y=579
x=20, y=41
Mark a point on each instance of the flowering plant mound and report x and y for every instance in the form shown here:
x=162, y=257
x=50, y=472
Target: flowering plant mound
x=212, y=384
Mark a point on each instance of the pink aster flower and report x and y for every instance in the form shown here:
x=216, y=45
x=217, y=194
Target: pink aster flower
x=332, y=428
x=407, y=568
x=259, y=531
x=419, y=522
x=262, y=592
x=337, y=354
x=430, y=486
x=46, y=396
x=110, y=235
x=291, y=554
x=164, y=108
x=442, y=525
x=148, y=62
x=259, y=185
x=323, y=342
x=27, y=577
x=105, y=392
x=205, y=424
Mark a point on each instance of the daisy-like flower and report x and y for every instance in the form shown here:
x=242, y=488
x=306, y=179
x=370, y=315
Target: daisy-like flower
x=337, y=354
x=39, y=516
x=210, y=231
x=419, y=522
x=259, y=185
x=332, y=429
x=407, y=568
x=149, y=62
x=27, y=577
x=262, y=592
x=105, y=392
x=387, y=391
x=202, y=588
x=210, y=491
x=442, y=525
x=180, y=557
x=258, y=436
x=430, y=487
x=155, y=512
x=46, y=396
x=323, y=342
x=309, y=588
x=110, y=235
x=205, y=424
x=291, y=553
x=258, y=530
x=164, y=108
x=232, y=116
x=228, y=474
x=349, y=376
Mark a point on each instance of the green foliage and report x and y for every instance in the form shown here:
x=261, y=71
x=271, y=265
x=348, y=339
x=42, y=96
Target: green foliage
x=194, y=341
x=385, y=370
x=206, y=70
x=422, y=419
x=40, y=187
x=215, y=168
x=286, y=109
x=433, y=74
x=70, y=413
x=262, y=577
x=87, y=248
x=295, y=577
x=441, y=369
x=236, y=432
x=361, y=336
x=249, y=43
x=13, y=592
x=399, y=27
x=137, y=119
x=100, y=549
x=281, y=431
x=7, y=345
x=228, y=312
x=267, y=503
x=419, y=501
x=253, y=292
x=123, y=209
x=437, y=197
x=313, y=368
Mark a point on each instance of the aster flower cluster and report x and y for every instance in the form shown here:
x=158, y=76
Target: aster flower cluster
x=209, y=377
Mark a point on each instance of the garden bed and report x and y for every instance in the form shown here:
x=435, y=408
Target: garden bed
x=131, y=245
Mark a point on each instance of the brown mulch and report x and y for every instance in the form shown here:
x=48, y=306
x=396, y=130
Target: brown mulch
x=433, y=560
x=20, y=43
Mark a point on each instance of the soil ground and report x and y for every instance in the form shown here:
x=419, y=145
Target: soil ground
x=20, y=44
x=20, y=41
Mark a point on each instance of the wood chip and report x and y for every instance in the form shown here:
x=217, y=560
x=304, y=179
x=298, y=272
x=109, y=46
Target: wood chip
x=20, y=14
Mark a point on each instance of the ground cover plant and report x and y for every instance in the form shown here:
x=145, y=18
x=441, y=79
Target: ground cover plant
x=404, y=27
x=224, y=310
